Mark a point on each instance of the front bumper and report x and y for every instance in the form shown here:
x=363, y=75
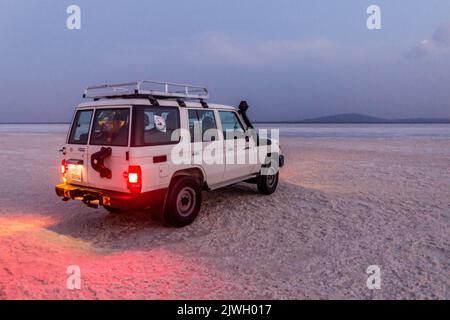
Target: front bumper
x=120, y=200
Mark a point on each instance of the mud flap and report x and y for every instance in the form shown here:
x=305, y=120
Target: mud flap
x=157, y=206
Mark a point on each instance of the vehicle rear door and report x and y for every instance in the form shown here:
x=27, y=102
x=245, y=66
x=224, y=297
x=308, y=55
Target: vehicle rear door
x=110, y=130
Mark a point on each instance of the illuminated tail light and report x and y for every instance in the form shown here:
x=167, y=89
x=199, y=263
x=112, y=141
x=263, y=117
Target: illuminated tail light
x=63, y=170
x=135, y=179
x=63, y=167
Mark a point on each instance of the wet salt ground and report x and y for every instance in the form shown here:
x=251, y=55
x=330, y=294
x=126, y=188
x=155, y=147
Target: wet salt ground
x=342, y=205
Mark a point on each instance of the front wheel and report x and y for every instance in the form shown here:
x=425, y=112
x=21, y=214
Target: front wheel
x=183, y=202
x=267, y=183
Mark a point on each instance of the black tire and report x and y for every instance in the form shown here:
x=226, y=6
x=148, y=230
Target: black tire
x=113, y=210
x=267, y=184
x=183, y=202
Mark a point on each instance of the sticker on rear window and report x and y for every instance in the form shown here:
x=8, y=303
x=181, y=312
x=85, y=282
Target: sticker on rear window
x=160, y=123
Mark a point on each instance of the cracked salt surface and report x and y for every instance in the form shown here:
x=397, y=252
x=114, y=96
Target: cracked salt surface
x=343, y=204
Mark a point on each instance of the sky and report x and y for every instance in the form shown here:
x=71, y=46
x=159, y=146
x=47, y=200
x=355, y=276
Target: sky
x=289, y=59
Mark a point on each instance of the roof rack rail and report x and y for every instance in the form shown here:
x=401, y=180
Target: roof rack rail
x=146, y=88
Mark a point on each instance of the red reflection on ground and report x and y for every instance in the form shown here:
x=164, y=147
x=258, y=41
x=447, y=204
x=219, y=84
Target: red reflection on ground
x=34, y=260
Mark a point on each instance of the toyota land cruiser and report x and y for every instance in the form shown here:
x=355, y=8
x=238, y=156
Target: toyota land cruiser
x=156, y=145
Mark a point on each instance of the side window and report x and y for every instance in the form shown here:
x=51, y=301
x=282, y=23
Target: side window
x=206, y=124
x=193, y=120
x=209, y=127
x=155, y=126
x=231, y=126
x=80, y=127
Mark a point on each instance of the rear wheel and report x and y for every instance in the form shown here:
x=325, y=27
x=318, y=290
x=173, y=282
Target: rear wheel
x=183, y=202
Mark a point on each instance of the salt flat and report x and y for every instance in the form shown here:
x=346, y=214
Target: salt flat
x=343, y=204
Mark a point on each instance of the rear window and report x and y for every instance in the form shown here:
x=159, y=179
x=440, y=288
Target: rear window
x=111, y=127
x=80, y=127
x=154, y=126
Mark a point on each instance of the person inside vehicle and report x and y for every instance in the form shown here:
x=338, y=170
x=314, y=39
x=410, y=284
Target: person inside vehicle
x=114, y=129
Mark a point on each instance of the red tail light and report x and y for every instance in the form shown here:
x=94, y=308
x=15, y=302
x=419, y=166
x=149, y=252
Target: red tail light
x=63, y=169
x=134, y=179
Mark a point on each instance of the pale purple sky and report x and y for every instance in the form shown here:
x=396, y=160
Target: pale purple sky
x=290, y=59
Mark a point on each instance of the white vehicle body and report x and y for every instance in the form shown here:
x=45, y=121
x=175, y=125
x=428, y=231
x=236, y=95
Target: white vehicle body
x=137, y=169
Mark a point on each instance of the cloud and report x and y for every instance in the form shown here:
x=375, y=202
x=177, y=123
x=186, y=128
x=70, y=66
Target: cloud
x=438, y=44
x=441, y=35
x=216, y=49
x=252, y=53
x=421, y=50
x=213, y=48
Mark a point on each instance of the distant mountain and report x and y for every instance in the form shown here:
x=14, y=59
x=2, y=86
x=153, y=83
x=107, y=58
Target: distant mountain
x=361, y=118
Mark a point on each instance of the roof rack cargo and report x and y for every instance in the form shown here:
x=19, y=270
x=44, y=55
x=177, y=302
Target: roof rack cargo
x=147, y=88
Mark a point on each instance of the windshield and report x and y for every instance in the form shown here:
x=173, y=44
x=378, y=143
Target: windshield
x=111, y=127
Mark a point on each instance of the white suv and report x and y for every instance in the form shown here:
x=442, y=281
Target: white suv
x=157, y=145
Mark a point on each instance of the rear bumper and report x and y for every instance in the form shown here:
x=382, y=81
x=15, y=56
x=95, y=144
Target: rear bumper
x=119, y=200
